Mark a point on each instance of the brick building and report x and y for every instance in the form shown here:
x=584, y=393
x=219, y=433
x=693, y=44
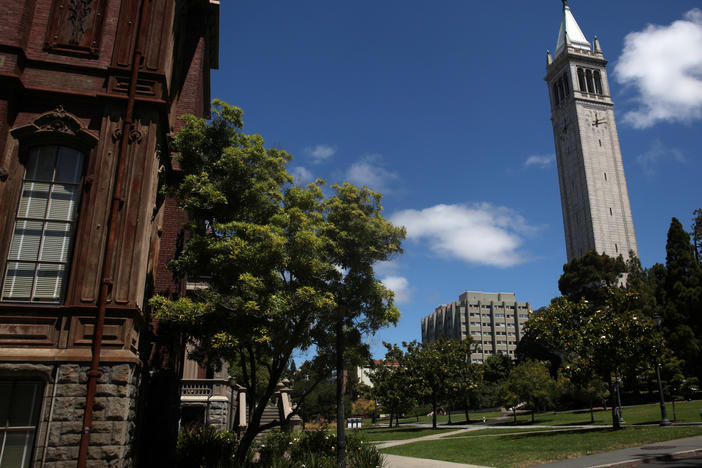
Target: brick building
x=90, y=92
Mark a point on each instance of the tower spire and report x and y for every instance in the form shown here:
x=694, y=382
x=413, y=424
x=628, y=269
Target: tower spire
x=570, y=34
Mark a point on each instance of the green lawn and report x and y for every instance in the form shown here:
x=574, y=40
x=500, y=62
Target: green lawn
x=456, y=418
x=520, y=450
x=642, y=414
x=507, y=431
x=381, y=434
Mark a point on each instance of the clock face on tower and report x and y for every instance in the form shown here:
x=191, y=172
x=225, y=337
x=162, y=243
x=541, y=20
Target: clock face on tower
x=596, y=119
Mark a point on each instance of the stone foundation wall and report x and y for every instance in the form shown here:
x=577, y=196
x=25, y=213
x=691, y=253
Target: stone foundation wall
x=57, y=437
x=218, y=415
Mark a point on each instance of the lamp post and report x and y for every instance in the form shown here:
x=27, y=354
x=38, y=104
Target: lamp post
x=664, y=415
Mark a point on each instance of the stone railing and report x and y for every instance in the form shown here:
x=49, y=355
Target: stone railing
x=205, y=387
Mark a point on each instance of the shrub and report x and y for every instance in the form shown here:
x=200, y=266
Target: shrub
x=366, y=456
x=205, y=447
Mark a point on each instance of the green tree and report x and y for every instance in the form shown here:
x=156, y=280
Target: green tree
x=255, y=241
x=392, y=383
x=497, y=367
x=682, y=321
x=531, y=383
x=359, y=237
x=437, y=366
x=589, y=277
x=272, y=256
x=697, y=234
x=609, y=340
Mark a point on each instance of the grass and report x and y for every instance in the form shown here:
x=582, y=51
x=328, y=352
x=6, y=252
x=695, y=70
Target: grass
x=506, y=431
x=456, y=418
x=382, y=434
x=641, y=414
x=520, y=450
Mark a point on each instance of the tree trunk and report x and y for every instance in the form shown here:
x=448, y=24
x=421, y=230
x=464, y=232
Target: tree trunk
x=675, y=416
x=532, y=415
x=514, y=413
x=397, y=418
x=433, y=417
x=615, y=417
x=592, y=412
x=391, y=413
x=340, y=384
x=467, y=415
x=449, y=415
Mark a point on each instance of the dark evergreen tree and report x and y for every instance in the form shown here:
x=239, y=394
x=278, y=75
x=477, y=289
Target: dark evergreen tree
x=589, y=277
x=683, y=292
x=697, y=234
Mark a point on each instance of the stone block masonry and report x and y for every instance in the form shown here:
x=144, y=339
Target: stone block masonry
x=60, y=421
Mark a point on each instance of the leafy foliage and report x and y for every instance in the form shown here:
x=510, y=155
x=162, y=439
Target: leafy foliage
x=441, y=370
x=205, y=447
x=589, y=277
x=531, y=383
x=281, y=263
x=607, y=340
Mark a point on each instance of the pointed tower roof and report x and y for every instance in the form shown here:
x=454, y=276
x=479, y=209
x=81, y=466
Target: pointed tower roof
x=570, y=33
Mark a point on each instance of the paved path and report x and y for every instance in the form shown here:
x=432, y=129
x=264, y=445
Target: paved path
x=396, y=461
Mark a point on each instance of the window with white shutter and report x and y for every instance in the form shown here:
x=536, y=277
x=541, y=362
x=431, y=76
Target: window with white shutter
x=39, y=254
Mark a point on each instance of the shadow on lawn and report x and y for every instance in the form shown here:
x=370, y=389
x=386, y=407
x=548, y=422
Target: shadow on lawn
x=546, y=434
x=380, y=430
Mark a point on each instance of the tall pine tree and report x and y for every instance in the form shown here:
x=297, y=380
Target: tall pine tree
x=683, y=291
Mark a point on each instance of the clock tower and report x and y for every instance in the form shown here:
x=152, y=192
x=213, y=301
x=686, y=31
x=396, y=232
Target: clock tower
x=594, y=197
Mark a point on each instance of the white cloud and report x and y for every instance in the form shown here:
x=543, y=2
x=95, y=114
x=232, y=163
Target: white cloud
x=400, y=287
x=320, y=153
x=540, y=160
x=388, y=267
x=656, y=154
x=664, y=65
x=479, y=233
x=370, y=173
x=301, y=175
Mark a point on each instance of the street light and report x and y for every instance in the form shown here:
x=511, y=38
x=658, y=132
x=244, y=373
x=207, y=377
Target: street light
x=664, y=415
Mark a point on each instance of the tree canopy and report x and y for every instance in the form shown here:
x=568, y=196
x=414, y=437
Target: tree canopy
x=282, y=263
x=589, y=277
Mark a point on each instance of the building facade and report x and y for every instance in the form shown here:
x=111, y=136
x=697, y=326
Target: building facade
x=594, y=197
x=495, y=322
x=90, y=94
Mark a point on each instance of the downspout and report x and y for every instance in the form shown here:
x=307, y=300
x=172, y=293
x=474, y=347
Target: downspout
x=106, y=281
x=51, y=415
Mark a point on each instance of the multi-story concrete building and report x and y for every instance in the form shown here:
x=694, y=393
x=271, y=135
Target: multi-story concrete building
x=594, y=197
x=495, y=322
x=90, y=94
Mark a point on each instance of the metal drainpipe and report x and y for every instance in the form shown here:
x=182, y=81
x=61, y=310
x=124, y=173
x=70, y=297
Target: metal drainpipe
x=51, y=415
x=117, y=200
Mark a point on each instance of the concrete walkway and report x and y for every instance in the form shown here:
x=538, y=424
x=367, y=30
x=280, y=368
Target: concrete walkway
x=397, y=461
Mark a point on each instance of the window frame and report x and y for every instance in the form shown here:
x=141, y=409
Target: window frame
x=60, y=128
x=35, y=417
x=73, y=222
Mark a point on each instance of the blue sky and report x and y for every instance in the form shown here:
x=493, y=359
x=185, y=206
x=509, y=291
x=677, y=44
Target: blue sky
x=443, y=108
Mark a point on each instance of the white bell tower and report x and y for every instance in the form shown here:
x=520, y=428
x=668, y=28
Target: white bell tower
x=594, y=197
